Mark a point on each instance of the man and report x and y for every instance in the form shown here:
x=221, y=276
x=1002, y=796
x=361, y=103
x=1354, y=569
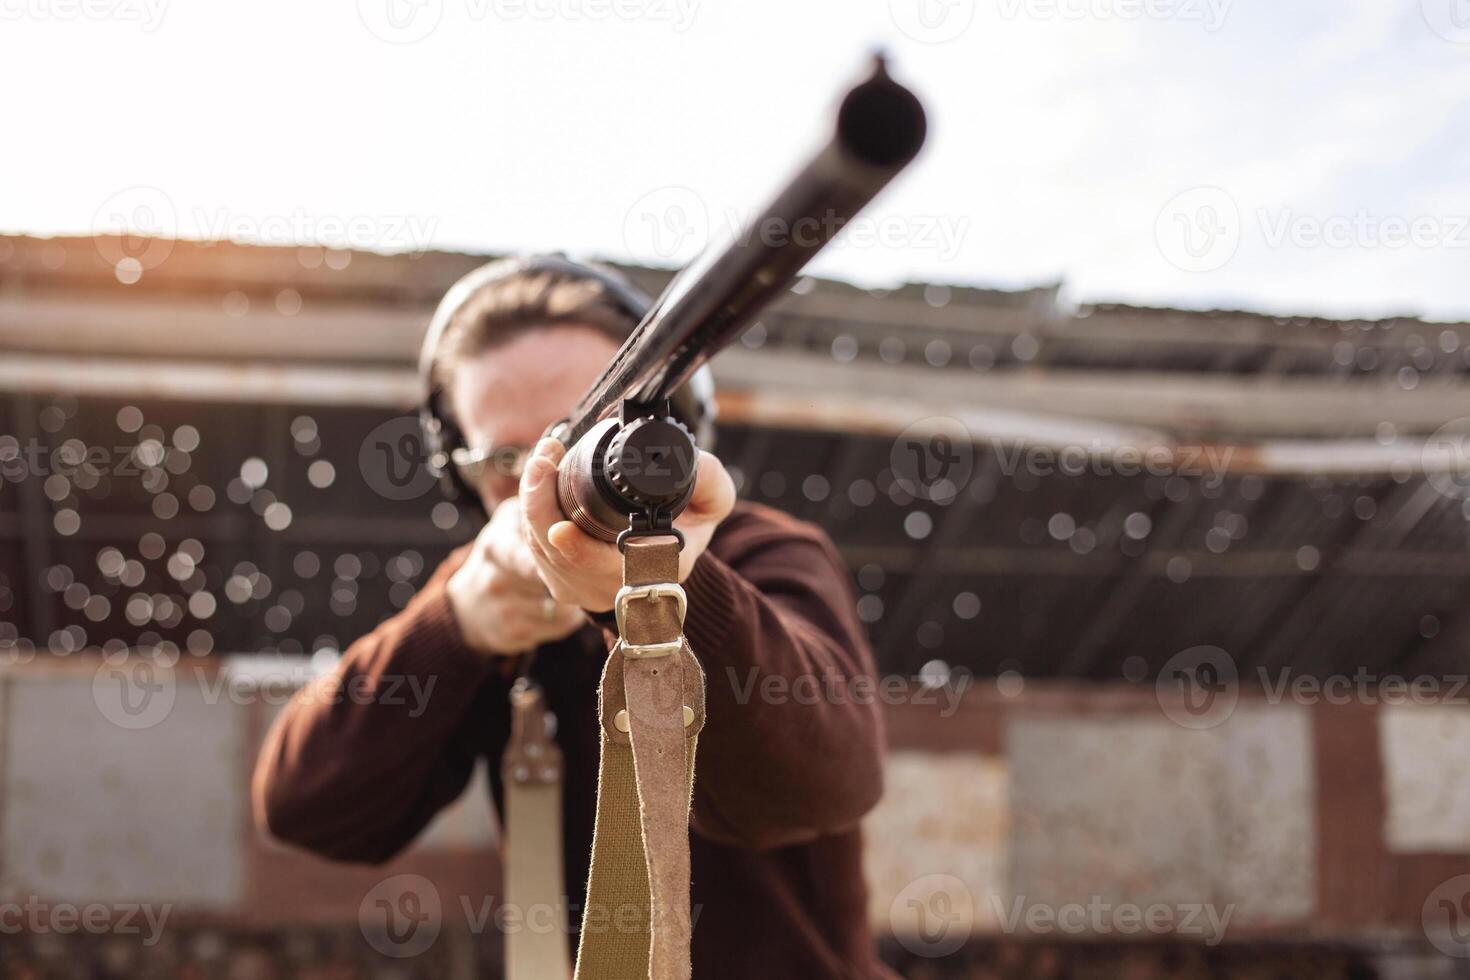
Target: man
x=780, y=782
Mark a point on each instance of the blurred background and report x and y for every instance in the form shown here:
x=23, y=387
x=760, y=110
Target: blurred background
x=1139, y=409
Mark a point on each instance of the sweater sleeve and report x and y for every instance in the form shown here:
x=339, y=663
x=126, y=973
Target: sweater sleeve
x=361, y=759
x=793, y=740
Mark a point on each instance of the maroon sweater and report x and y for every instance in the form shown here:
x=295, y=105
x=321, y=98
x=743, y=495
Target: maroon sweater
x=781, y=780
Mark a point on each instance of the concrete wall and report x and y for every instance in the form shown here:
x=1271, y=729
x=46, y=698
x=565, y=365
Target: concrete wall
x=1040, y=812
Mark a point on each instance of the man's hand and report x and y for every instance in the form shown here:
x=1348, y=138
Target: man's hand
x=498, y=598
x=583, y=571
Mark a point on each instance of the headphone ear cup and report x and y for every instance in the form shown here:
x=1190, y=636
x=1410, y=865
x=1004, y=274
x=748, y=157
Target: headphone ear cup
x=441, y=438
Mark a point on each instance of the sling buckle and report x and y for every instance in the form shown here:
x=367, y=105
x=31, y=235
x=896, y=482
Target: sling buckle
x=654, y=592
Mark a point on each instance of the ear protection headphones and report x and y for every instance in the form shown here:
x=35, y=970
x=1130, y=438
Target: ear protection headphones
x=693, y=404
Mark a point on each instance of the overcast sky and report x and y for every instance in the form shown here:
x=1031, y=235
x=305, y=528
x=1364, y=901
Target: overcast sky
x=1303, y=156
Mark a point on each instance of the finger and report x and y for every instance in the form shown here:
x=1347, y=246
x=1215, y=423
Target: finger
x=587, y=554
x=561, y=619
x=539, y=506
x=502, y=544
x=714, y=491
x=524, y=608
x=512, y=584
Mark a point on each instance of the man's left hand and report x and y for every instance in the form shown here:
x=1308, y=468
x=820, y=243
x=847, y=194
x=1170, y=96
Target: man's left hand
x=581, y=570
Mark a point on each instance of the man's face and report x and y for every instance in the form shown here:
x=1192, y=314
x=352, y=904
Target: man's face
x=508, y=395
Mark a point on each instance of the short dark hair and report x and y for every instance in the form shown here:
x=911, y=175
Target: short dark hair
x=532, y=299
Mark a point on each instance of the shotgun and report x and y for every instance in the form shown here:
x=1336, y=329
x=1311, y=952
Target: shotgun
x=629, y=466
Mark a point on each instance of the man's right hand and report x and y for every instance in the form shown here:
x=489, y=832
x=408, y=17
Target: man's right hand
x=502, y=607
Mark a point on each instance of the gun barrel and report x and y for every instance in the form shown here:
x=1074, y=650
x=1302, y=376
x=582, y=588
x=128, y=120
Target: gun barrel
x=879, y=129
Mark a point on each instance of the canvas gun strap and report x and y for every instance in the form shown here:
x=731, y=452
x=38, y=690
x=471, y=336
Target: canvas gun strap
x=531, y=772
x=636, y=923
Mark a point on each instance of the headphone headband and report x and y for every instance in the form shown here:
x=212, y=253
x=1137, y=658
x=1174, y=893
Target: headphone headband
x=628, y=297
